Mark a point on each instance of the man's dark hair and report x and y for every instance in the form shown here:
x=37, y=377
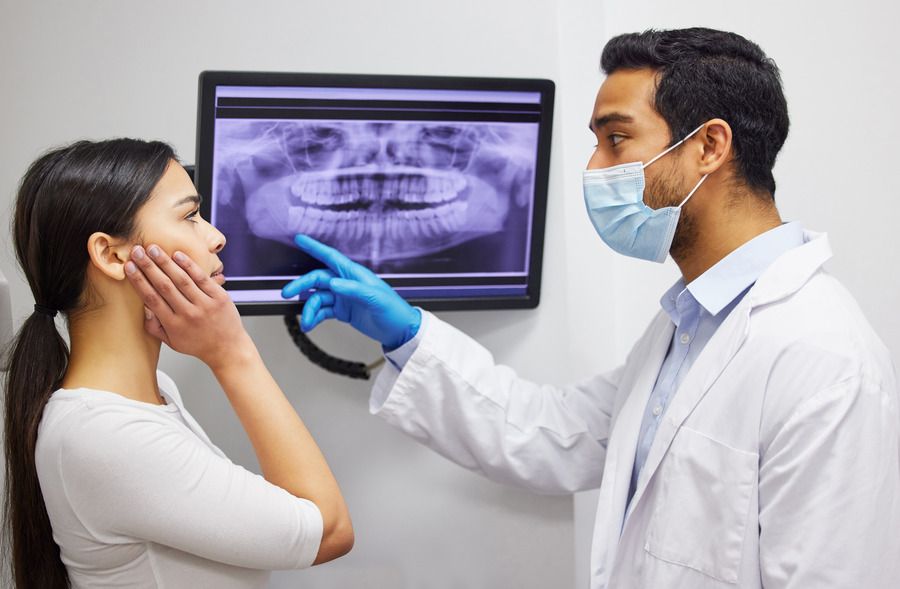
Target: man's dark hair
x=705, y=74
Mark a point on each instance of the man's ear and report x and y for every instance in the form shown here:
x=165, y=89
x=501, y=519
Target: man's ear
x=715, y=140
x=108, y=254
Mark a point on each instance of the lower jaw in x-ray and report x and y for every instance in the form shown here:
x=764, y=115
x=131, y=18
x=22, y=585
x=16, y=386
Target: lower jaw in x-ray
x=377, y=213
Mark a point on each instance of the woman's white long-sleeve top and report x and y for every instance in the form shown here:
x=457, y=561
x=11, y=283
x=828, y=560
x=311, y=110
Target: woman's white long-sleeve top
x=138, y=496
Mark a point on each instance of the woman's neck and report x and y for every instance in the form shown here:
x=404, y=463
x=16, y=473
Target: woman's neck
x=110, y=351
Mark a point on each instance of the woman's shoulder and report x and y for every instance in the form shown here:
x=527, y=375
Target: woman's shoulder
x=97, y=402
x=84, y=420
x=168, y=387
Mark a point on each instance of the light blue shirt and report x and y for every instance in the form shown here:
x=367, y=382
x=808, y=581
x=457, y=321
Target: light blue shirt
x=697, y=310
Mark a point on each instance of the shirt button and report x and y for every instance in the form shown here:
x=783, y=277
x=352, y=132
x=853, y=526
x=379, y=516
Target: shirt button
x=657, y=410
x=685, y=338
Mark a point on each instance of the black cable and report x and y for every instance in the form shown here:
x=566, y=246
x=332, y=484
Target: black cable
x=321, y=358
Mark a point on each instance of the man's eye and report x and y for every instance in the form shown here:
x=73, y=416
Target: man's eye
x=191, y=216
x=614, y=140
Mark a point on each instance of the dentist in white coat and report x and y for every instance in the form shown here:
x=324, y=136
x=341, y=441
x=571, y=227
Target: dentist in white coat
x=752, y=437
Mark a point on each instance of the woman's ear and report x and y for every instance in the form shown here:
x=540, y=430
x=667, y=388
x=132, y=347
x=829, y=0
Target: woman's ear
x=716, y=141
x=108, y=254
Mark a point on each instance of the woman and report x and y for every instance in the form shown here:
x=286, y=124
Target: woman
x=111, y=482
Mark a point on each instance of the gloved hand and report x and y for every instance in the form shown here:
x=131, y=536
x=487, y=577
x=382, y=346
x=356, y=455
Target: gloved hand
x=352, y=293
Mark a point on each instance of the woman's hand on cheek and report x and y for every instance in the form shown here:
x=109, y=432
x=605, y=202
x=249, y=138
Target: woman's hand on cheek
x=188, y=310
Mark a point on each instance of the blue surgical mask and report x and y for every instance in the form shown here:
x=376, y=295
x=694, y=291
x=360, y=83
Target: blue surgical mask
x=615, y=204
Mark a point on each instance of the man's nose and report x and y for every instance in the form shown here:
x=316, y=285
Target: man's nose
x=595, y=161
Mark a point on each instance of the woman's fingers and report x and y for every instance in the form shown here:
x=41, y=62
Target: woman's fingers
x=154, y=327
x=199, y=278
x=170, y=282
x=149, y=295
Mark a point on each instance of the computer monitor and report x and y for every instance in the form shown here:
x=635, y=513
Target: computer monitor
x=438, y=184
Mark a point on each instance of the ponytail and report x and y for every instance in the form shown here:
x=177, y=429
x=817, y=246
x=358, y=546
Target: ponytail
x=37, y=363
x=65, y=196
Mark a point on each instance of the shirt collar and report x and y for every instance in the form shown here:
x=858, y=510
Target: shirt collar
x=716, y=288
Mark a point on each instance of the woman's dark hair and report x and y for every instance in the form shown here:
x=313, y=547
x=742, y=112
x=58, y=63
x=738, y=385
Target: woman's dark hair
x=705, y=74
x=66, y=195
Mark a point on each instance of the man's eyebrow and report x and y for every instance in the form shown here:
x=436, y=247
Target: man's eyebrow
x=194, y=198
x=613, y=117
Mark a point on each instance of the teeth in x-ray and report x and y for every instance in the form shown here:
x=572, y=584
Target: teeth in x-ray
x=401, y=227
x=365, y=185
x=383, y=220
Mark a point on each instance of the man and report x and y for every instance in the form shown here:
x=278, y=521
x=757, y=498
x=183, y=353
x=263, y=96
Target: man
x=752, y=437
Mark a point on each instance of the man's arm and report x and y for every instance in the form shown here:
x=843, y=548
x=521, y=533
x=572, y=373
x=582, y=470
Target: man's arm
x=449, y=393
x=451, y=396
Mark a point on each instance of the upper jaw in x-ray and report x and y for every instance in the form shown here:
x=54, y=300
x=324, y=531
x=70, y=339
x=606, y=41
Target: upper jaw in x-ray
x=374, y=208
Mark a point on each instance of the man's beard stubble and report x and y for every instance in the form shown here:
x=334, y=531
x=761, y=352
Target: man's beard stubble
x=667, y=190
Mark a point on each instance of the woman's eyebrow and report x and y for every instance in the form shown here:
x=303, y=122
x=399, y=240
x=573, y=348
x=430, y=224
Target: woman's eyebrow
x=196, y=199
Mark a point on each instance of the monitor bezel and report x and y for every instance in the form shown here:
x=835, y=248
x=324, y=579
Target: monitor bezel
x=209, y=80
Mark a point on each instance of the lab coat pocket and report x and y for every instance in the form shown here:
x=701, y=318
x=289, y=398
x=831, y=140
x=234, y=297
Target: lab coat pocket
x=703, y=493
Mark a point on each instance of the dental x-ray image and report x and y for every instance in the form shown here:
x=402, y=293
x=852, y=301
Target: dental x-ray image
x=402, y=197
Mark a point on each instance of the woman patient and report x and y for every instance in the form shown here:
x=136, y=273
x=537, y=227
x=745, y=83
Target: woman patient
x=110, y=481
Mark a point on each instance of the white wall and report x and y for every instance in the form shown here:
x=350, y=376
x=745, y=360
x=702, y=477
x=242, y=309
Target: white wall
x=110, y=68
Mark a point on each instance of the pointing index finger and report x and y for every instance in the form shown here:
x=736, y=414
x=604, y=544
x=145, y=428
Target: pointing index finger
x=335, y=260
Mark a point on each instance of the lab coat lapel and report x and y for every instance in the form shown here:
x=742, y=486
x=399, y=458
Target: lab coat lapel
x=710, y=364
x=786, y=275
x=647, y=359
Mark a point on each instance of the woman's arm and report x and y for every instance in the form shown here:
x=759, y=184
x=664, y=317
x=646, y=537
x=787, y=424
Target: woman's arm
x=194, y=315
x=287, y=453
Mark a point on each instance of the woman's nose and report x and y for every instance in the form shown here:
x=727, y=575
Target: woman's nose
x=217, y=240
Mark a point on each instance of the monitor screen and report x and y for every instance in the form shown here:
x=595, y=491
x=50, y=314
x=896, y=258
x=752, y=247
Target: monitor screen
x=437, y=184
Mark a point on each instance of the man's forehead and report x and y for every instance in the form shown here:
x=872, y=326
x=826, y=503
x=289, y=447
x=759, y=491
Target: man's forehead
x=628, y=92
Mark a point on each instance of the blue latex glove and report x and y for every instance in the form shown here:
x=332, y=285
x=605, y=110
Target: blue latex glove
x=352, y=293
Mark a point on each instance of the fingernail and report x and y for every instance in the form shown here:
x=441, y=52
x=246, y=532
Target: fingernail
x=147, y=314
x=153, y=251
x=130, y=268
x=179, y=257
x=137, y=253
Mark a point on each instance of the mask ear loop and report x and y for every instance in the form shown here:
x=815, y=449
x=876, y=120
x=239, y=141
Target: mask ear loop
x=688, y=197
x=686, y=137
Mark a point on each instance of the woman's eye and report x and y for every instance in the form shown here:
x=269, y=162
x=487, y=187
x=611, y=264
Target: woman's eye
x=192, y=215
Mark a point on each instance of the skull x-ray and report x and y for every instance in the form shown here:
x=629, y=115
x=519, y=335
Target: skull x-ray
x=399, y=196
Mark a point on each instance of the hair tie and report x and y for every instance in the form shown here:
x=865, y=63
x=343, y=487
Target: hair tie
x=45, y=310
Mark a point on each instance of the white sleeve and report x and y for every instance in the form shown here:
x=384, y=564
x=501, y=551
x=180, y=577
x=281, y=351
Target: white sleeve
x=134, y=476
x=829, y=492
x=401, y=355
x=452, y=397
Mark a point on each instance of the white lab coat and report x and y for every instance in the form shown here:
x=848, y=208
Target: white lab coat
x=776, y=465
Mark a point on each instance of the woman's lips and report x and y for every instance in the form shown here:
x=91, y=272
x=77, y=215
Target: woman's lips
x=219, y=275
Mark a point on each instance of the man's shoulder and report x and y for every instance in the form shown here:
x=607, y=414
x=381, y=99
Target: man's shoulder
x=821, y=313
x=816, y=340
